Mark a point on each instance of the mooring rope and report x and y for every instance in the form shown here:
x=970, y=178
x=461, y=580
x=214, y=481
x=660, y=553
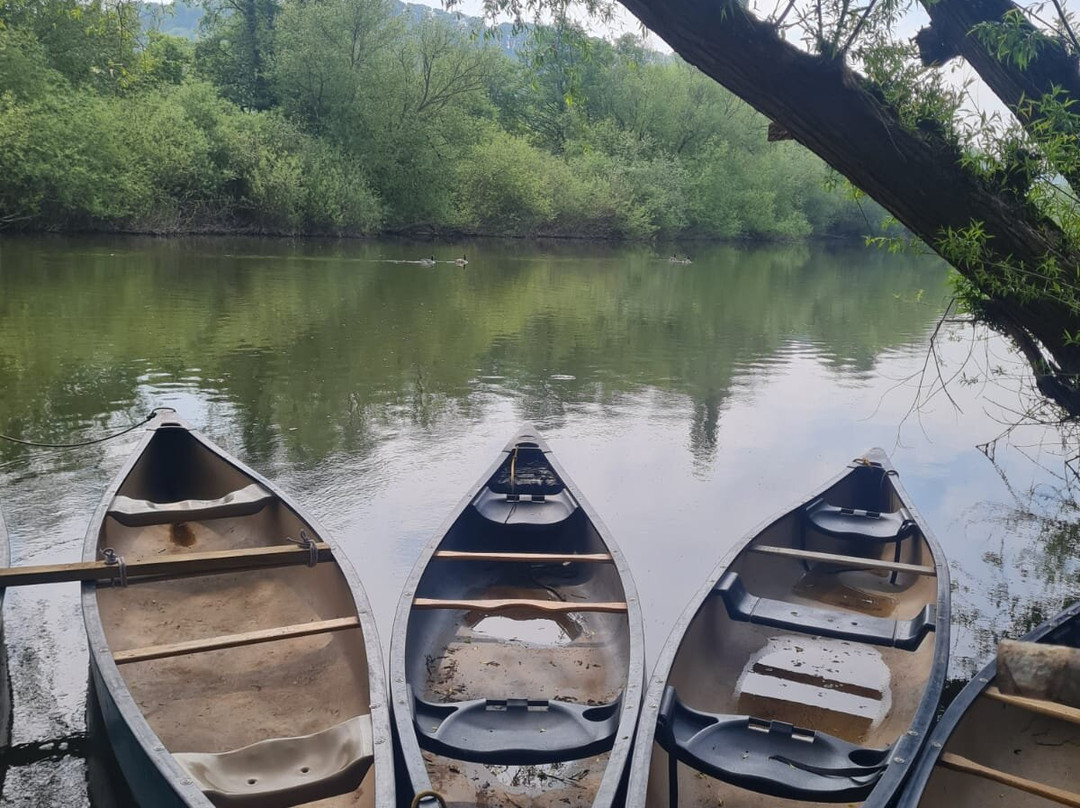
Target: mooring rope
x=39, y=445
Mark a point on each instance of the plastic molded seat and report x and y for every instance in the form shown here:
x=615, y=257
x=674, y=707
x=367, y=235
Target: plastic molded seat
x=282, y=772
x=515, y=732
x=853, y=523
x=741, y=605
x=141, y=512
x=770, y=757
x=525, y=509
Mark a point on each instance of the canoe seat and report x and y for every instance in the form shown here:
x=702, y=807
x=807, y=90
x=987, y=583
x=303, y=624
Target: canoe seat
x=141, y=512
x=516, y=732
x=835, y=686
x=286, y=771
x=853, y=523
x=770, y=757
x=906, y=635
x=525, y=509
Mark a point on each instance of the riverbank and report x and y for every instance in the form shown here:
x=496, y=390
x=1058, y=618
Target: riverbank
x=568, y=137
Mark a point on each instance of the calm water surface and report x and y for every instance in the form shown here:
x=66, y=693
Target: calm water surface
x=689, y=403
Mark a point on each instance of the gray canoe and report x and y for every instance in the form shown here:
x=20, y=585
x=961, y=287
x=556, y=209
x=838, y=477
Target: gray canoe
x=808, y=668
x=992, y=749
x=5, y=679
x=258, y=687
x=517, y=658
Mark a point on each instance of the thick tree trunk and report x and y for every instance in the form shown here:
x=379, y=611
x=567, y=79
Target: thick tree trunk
x=1051, y=69
x=915, y=175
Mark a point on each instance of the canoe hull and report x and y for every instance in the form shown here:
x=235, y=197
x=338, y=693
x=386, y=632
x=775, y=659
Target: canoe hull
x=1039, y=747
x=781, y=628
x=154, y=775
x=464, y=664
x=142, y=770
x=5, y=673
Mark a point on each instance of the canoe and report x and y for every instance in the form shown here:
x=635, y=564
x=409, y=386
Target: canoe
x=991, y=748
x=251, y=674
x=517, y=660
x=807, y=670
x=5, y=677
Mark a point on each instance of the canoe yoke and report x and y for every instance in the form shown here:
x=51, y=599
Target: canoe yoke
x=280, y=772
x=769, y=757
x=516, y=732
x=860, y=525
x=906, y=635
x=142, y=512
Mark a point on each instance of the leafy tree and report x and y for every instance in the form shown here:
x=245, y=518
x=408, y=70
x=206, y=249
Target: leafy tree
x=91, y=43
x=235, y=47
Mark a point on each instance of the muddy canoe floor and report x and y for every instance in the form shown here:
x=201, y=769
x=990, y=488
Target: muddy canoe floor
x=473, y=667
x=222, y=700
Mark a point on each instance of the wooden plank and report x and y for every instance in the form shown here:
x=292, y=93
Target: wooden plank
x=234, y=640
x=509, y=604
x=278, y=555
x=531, y=558
x=843, y=560
x=962, y=764
x=1041, y=706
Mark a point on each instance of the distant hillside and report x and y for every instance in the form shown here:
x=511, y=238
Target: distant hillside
x=175, y=19
x=181, y=19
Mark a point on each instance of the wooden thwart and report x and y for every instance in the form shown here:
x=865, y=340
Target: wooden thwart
x=1041, y=706
x=962, y=764
x=509, y=604
x=176, y=564
x=234, y=640
x=531, y=558
x=843, y=560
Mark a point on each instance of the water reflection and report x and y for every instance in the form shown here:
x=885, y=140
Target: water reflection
x=312, y=347
x=688, y=401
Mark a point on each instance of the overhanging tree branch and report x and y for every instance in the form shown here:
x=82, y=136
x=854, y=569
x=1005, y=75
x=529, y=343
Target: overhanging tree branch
x=1050, y=72
x=915, y=173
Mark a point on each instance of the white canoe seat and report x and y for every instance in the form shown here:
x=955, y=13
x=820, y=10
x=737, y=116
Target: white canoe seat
x=281, y=772
x=141, y=512
x=839, y=687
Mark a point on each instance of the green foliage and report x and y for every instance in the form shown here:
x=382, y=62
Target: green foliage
x=172, y=159
x=90, y=43
x=919, y=95
x=339, y=116
x=235, y=48
x=24, y=64
x=1012, y=39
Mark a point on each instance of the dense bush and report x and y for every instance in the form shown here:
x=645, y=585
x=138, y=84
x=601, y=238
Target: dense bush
x=337, y=117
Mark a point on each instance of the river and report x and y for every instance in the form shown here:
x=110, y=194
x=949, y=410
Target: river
x=689, y=402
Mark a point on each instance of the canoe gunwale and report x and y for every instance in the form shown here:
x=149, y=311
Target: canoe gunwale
x=6, y=697
x=908, y=746
x=112, y=687
x=401, y=701
x=956, y=710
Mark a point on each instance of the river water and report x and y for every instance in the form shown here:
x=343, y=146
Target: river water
x=689, y=402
